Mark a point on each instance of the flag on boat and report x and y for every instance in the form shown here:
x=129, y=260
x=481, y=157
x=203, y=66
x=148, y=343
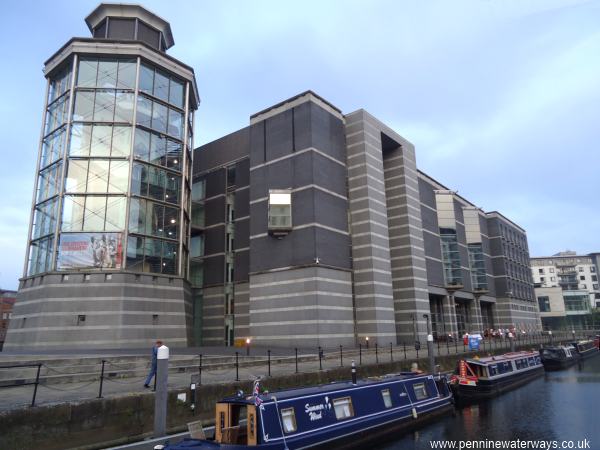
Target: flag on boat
x=256, y=392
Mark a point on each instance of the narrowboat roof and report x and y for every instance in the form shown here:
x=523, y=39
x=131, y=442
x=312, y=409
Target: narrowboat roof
x=500, y=358
x=320, y=389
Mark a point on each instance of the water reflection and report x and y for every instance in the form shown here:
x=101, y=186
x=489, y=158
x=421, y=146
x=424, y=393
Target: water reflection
x=558, y=406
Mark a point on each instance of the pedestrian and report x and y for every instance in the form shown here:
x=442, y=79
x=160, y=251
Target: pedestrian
x=152, y=372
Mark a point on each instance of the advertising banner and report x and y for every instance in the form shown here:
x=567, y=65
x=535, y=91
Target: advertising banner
x=90, y=251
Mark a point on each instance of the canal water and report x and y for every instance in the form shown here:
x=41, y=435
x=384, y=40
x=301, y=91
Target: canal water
x=561, y=406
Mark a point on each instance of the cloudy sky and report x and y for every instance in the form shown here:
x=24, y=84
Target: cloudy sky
x=500, y=97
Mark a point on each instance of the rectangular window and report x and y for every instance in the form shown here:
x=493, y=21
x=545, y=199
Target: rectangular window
x=280, y=210
x=420, y=391
x=387, y=398
x=582, y=277
x=288, y=419
x=343, y=408
x=551, y=269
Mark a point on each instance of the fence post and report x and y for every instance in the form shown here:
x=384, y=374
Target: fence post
x=296, y=350
x=404, y=345
x=455, y=347
x=447, y=345
x=200, y=370
x=320, y=356
x=162, y=391
x=37, y=382
x=237, y=366
x=341, y=357
x=269, y=361
x=101, y=379
x=376, y=354
x=359, y=354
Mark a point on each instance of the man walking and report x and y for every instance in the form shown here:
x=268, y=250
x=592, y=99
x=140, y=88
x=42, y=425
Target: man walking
x=152, y=372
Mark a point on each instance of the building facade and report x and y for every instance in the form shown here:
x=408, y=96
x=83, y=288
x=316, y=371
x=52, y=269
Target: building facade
x=7, y=303
x=567, y=289
x=108, y=245
x=314, y=227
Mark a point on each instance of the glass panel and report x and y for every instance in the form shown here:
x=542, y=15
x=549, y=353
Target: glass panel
x=161, y=86
x=115, y=213
x=77, y=175
x=172, y=189
x=169, y=258
x=387, y=398
x=98, y=176
x=159, y=117
x=155, y=219
x=84, y=106
x=126, y=78
x=198, y=190
x=57, y=114
x=343, y=408
x=175, y=123
x=152, y=259
x=121, y=141
x=104, y=108
x=40, y=256
x=158, y=149
x=137, y=215
x=288, y=419
x=124, y=107
x=173, y=154
x=94, y=213
x=197, y=246
x=45, y=219
x=146, y=79
x=141, y=146
x=156, y=183
x=101, y=137
x=107, y=74
x=81, y=136
x=171, y=222
x=119, y=176
x=420, y=391
x=176, y=93
x=135, y=253
x=60, y=84
x=86, y=76
x=144, y=111
x=72, y=216
x=48, y=182
x=53, y=147
x=139, y=180
x=196, y=273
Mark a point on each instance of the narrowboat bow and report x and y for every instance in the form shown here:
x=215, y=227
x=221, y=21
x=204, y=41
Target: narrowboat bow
x=344, y=414
x=559, y=357
x=585, y=348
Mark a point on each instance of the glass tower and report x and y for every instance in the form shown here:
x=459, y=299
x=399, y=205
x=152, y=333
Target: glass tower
x=112, y=193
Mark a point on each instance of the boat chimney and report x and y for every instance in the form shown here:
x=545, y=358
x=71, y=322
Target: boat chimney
x=353, y=372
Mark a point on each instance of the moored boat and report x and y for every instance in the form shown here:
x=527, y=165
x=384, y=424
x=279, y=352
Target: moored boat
x=343, y=414
x=585, y=348
x=559, y=357
x=480, y=378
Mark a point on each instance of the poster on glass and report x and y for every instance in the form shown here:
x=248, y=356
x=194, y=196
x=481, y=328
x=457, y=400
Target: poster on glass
x=90, y=251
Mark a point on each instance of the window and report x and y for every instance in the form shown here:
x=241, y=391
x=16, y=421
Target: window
x=288, y=419
x=582, y=277
x=542, y=280
x=594, y=277
x=343, y=408
x=280, y=211
x=552, y=278
x=81, y=319
x=420, y=391
x=592, y=269
x=583, y=286
x=551, y=269
x=580, y=269
x=595, y=286
x=541, y=270
x=387, y=398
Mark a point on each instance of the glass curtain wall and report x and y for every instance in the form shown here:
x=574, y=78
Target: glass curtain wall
x=477, y=265
x=450, y=257
x=125, y=153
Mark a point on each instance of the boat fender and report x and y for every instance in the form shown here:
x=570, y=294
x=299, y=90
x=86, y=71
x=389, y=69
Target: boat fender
x=414, y=413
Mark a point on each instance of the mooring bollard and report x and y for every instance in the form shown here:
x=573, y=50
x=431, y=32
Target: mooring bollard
x=101, y=379
x=162, y=391
x=353, y=372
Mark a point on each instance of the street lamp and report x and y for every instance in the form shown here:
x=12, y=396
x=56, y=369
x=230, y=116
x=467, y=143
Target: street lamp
x=367, y=340
x=247, y=346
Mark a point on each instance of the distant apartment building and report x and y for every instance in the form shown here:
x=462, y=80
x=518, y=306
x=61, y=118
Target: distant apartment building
x=315, y=227
x=567, y=288
x=7, y=302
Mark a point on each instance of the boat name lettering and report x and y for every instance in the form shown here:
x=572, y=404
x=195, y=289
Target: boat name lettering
x=315, y=412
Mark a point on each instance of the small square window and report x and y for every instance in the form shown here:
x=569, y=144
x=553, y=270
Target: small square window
x=420, y=391
x=108, y=277
x=551, y=269
x=582, y=277
x=65, y=278
x=280, y=211
x=288, y=419
x=86, y=277
x=81, y=319
x=154, y=319
x=343, y=408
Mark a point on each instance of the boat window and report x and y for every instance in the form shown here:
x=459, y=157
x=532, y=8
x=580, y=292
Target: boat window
x=222, y=420
x=521, y=363
x=493, y=370
x=343, y=408
x=288, y=419
x=532, y=361
x=420, y=391
x=387, y=398
x=504, y=367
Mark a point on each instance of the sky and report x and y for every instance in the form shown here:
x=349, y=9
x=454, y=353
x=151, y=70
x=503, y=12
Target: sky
x=500, y=98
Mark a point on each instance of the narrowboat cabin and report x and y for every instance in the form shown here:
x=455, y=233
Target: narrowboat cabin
x=559, y=357
x=585, y=348
x=487, y=377
x=344, y=414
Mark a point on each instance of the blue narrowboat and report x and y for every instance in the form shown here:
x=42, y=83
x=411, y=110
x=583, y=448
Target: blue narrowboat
x=480, y=378
x=559, y=357
x=585, y=348
x=343, y=414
